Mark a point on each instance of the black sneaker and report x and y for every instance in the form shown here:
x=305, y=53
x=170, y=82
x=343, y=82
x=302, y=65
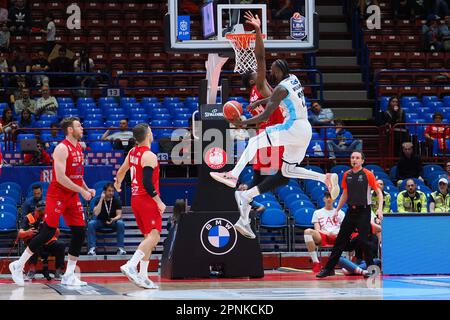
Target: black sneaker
x=325, y=273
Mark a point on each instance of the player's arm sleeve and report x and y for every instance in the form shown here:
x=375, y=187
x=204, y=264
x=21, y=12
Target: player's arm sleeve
x=147, y=181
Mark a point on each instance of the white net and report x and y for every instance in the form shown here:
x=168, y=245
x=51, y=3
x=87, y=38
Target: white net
x=244, y=49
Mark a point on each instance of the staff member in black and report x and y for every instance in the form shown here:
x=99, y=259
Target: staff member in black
x=357, y=184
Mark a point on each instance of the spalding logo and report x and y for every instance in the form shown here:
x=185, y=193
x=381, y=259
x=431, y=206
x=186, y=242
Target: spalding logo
x=216, y=158
x=218, y=236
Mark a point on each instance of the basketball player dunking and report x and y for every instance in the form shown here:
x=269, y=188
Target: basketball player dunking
x=294, y=134
x=145, y=202
x=62, y=198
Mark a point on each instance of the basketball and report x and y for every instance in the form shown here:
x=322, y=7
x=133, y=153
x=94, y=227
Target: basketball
x=232, y=110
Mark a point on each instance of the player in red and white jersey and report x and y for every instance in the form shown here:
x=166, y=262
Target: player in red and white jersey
x=145, y=202
x=62, y=198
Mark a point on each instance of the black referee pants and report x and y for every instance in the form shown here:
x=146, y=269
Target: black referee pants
x=356, y=218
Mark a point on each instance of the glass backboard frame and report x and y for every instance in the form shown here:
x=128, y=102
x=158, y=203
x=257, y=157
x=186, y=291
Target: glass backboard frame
x=221, y=45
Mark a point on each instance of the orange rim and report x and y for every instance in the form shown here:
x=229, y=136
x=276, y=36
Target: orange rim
x=242, y=40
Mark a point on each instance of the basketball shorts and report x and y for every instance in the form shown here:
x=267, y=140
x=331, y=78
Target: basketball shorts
x=295, y=136
x=327, y=240
x=146, y=213
x=68, y=205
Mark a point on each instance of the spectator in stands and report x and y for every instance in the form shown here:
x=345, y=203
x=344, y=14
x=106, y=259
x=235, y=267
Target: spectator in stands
x=411, y=200
x=363, y=5
x=55, y=137
x=343, y=143
x=40, y=65
x=121, y=137
x=419, y=10
x=62, y=64
x=26, y=119
x=393, y=115
x=7, y=121
x=30, y=204
x=84, y=64
x=436, y=132
x=403, y=9
x=179, y=208
x=38, y=158
x=50, y=31
x=19, y=17
x=444, y=34
x=3, y=63
x=30, y=227
x=46, y=104
x=326, y=229
x=440, y=200
x=25, y=102
x=20, y=63
x=282, y=10
x=438, y=8
x=320, y=116
x=410, y=165
x=430, y=33
x=5, y=36
x=108, y=214
x=447, y=169
x=386, y=199
x=3, y=11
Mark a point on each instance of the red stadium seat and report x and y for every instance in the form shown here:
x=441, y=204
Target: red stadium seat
x=404, y=78
x=112, y=6
x=417, y=60
x=397, y=60
x=176, y=61
x=428, y=91
x=378, y=60
x=92, y=6
x=436, y=60
x=407, y=91
x=373, y=41
x=392, y=43
x=388, y=91
x=411, y=43
x=113, y=22
x=136, y=40
x=94, y=23
x=132, y=7
x=444, y=91
x=119, y=58
x=423, y=78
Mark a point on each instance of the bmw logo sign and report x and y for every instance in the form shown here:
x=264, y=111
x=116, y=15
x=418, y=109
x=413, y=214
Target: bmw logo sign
x=218, y=236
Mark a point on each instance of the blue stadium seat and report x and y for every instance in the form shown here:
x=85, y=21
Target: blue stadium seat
x=317, y=193
x=150, y=106
x=273, y=218
x=429, y=169
x=390, y=187
x=294, y=183
x=316, y=148
x=64, y=100
x=425, y=190
x=314, y=168
x=406, y=99
x=417, y=181
x=130, y=107
x=411, y=117
x=14, y=194
x=294, y=205
x=133, y=122
x=271, y=204
x=381, y=175
x=426, y=99
x=191, y=99
x=104, y=100
x=181, y=123
x=295, y=197
x=182, y=116
x=7, y=200
x=100, y=184
x=160, y=123
x=266, y=197
x=125, y=100
x=394, y=206
x=107, y=106
x=175, y=111
x=155, y=147
x=115, y=116
x=149, y=100
x=374, y=168
x=92, y=123
x=168, y=100
x=284, y=191
x=25, y=136
x=384, y=101
x=8, y=220
x=92, y=136
x=310, y=185
x=8, y=208
x=446, y=101
x=139, y=117
x=43, y=124
x=94, y=116
x=412, y=106
x=101, y=146
x=303, y=217
x=116, y=110
x=174, y=105
x=162, y=116
x=315, y=136
x=340, y=169
x=11, y=186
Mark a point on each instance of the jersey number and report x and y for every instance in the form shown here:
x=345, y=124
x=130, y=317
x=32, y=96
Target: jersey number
x=133, y=175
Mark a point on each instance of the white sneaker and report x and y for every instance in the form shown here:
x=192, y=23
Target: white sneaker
x=244, y=229
x=243, y=204
x=131, y=273
x=72, y=280
x=17, y=273
x=224, y=177
x=146, y=283
x=91, y=252
x=121, y=252
x=333, y=185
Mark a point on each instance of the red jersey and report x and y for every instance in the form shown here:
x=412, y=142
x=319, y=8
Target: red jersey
x=74, y=169
x=137, y=174
x=275, y=118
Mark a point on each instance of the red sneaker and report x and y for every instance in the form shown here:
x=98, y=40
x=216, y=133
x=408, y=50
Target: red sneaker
x=316, y=267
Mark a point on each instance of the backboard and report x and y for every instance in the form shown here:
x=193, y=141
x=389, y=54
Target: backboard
x=202, y=28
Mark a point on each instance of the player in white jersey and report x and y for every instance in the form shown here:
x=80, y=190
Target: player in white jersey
x=294, y=134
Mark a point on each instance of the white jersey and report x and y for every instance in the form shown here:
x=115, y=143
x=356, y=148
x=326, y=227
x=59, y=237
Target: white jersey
x=325, y=220
x=294, y=105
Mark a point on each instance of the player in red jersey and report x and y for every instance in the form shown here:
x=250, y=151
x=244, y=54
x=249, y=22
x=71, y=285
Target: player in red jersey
x=62, y=198
x=145, y=202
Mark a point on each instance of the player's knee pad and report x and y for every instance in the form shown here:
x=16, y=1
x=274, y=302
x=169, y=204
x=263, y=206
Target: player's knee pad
x=308, y=238
x=44, y=235
x=78, y=235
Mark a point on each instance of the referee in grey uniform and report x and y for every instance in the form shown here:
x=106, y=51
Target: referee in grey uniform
x=357, y=184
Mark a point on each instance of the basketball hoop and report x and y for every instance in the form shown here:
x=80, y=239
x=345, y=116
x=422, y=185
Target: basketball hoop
x=244, y=49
